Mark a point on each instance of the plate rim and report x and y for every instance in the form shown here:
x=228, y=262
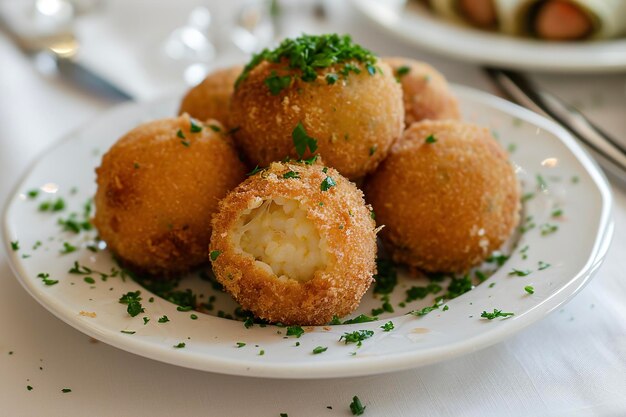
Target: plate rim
x=350, y=367
x=584, y=65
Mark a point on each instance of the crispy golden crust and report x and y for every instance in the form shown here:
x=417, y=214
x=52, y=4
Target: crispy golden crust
x=342, y=219
x=445, y=205
x=211, y=98
x=355, y=120
x=425, y=91
x=155, y=195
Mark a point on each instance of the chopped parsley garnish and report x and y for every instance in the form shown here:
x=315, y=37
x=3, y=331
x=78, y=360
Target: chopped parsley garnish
x=32, y=194
x=445, y=308
x=180, y=134
x=419, y=293
x=309, y=53
x=66, y=390
x=89, y=280
x=520, y=272
x=386, y=278
x=15, y=246
x=146, y=320
x=493, y=284
x=185, y=143
x=261, y=352
x=193, y=317
x=403, y=70
x=357, y=336
x=53, y=206
x=184, y=308
x=215, y=128
x=327, y=183
x=319, y=349
x=361, y=318
x=498, y=258
x=335, y=321
x=46, y=279
x=529, y=289
x=132, y=300
x=302, y=141
x=214, y=254
x=163, y=319
x=28, y=387
x=543, y=265
x=256, y=170
x=296, y=331
x=331, y=78
x=68, y=248
x=128, y=331
x=541, y=182
x=431, y=138
x=249, y=322
x=373, y=150
x=356, y=407
x=275, y=83
x=527, y=196
x=557, y=213
x=180, y=345
x=387, y=326
x=291, y=174
x=240, y=344
x=195, y=128
x=424, y=311
x=458, y=286
x=495, y=314
x=548, y=229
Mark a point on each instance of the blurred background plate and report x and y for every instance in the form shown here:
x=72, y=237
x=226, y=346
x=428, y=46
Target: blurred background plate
x=413, y=23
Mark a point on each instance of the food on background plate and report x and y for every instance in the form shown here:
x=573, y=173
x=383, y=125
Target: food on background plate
x=557, y=20
x=341, y=94
x=211, y=98
x=157, y=188
x=295, y=243
x=425, y=91
x=447, y=195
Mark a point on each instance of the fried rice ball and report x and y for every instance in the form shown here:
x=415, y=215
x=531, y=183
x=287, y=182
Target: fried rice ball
x=425, y=91
x=295, y=244
x=447, y=195
x=355, y=119
x=157, y=188
x=211, y=98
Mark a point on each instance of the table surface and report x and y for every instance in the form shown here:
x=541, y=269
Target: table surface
x=572, y=363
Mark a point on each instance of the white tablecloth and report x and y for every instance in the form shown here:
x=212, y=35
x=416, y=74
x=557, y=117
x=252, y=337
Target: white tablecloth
x=572, y=363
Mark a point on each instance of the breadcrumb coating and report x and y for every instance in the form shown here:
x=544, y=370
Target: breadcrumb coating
x=355, y=119
x=426, y=94
x=447, y=195
x=157, y=189
x=211, y=98
x=337, y=231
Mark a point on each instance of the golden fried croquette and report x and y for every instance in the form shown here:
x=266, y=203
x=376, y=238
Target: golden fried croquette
x=352, y=106
x=295, y=244
x=157, y=189
x=211, y=98
x=447, y=196
x=425, y=91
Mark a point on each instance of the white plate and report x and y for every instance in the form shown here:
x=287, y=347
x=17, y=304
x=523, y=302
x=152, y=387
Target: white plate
x=415, y=24
x=575, y=251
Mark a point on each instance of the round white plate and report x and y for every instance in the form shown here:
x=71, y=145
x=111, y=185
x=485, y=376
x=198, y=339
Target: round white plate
x=412, y=22
x=573, y=184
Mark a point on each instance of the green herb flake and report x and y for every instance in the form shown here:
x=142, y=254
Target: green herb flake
x=215, y=128
x=541, y=182
x=15, y=246
x=356, y=407
x=327, y=183
x=291, y=174
x=357, y=336
x=495, y=314
x=214, y=254
x=296, y=331
x=180, y=134
x=89, y=280
x=520, y=272
x=256, y=170
x=193, y=317
x=32, y=194
x=132, y=300
x=302, y=141
x=543, y=265
x=361, y=318
x=528, y=196
x=276, y=83
x=46, y=279
x=387, y=327
x=493, y=284
x=146, y=320
x=445, y=308
x=547, y=229
x=249, y=322
x=68, y=248
x=184, y=308
x=66, y=390
x=195, y=128
x=403, y=70
x=331, y=78
x=373, y=150
x=423, y=311
x=128, y=331
x=529, y=289
x=240, y=344
x=28, y=387
x=335, y=321
x=498, y=258
x=180, y=345
x=431, y=138
x=261, y=352
x=319, y=349
x=163, y=319
x=557, y=213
